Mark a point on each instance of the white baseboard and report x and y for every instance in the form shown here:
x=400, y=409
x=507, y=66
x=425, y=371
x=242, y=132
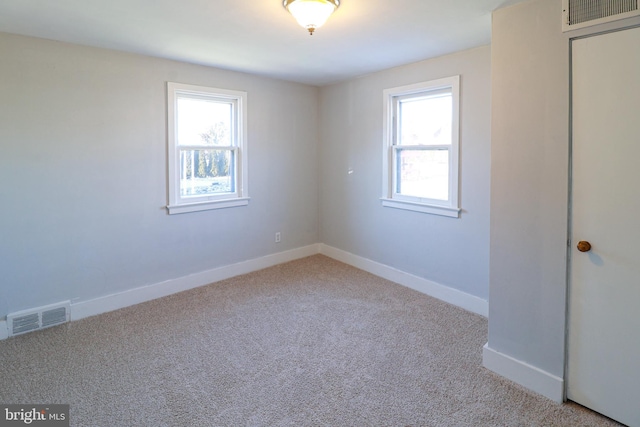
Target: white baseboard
x=4, y=330
x=529, y=376
x=445, y=293
x=82, y=309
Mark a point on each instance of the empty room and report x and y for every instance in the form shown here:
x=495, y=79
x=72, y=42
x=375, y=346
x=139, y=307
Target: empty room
x=319, y=213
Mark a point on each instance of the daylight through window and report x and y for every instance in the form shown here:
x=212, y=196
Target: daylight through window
x=207, y=148
x=421, y=147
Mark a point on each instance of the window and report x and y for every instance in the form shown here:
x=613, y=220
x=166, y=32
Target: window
x=421, y=147
x=207, y=148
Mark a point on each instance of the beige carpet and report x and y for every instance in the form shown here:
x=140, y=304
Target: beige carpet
x=313, y=342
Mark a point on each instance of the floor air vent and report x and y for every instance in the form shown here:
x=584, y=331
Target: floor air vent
x=38, y=318
x=585, y=13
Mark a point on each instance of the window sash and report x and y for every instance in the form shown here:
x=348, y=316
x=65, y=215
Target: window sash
x=234, y=121
x=393, y=147
x=233, y=139
x=180, y=201
x=421, y=96
x=396, y=174
x=182, y=176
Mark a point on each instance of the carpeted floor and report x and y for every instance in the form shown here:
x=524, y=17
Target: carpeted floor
x=313, y=342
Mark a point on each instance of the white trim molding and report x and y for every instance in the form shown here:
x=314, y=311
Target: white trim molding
x=236, y=146
x=82, y=309
x=394, y=144
x=442, y=292
x=203, y=206
x=422, y=207
x=531, y=377
x=4, y=330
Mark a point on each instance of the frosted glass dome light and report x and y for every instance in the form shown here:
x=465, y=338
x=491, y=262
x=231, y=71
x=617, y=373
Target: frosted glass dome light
x=311, y=14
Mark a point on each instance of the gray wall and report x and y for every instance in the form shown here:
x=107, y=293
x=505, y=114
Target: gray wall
x=452, y=252
x=529, y=184
x=530, y=181
x=84, y=181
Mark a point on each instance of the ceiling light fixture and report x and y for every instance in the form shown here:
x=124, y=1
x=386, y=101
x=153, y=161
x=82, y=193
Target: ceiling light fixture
x=311, y=14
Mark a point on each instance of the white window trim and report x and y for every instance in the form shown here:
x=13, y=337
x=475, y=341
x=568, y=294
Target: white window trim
x=240, y=197
x=389, y=197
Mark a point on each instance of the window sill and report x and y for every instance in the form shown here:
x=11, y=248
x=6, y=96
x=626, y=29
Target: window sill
x=421, y=207
x=208, y=205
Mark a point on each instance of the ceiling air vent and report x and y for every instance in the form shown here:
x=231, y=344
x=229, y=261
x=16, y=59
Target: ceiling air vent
x=585, y=13
x=38, y=318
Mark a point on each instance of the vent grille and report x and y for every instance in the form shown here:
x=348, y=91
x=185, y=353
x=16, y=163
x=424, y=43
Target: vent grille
x=583, y=13
x=54, y=317
x=38, y=318
x=22, y=324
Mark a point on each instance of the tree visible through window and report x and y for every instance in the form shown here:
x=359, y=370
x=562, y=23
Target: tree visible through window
x=207, y=149
x=209, y=169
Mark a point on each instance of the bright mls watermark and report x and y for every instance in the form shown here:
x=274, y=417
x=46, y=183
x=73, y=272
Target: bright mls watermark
x=34, y=415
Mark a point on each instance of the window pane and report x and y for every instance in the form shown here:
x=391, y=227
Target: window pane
x=426, y=120
x=202, y=121
x=204, y=172
x=423, y=173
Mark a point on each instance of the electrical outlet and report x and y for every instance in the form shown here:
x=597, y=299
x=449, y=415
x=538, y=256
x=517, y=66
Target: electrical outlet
x=278, y=237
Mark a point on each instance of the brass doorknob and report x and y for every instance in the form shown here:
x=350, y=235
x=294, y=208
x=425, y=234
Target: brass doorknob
x=584, y=246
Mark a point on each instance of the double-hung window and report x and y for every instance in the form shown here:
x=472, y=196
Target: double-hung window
x=207, y=156
x=420, y=167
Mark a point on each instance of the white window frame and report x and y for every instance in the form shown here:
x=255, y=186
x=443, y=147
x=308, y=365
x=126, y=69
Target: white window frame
x=240, y=197
x=390, y=198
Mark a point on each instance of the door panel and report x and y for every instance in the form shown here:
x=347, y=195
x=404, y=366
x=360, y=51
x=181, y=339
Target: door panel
x=604, y=295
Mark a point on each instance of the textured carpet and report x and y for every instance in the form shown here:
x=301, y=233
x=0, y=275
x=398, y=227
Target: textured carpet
x=313, y=342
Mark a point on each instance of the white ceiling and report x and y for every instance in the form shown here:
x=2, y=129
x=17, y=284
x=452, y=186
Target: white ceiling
x=260, y=36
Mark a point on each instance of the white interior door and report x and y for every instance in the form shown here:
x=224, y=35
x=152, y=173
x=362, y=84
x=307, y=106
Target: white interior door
x=604, y=295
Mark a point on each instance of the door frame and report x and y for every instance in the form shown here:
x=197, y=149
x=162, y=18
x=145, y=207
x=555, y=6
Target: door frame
x=593, y=33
